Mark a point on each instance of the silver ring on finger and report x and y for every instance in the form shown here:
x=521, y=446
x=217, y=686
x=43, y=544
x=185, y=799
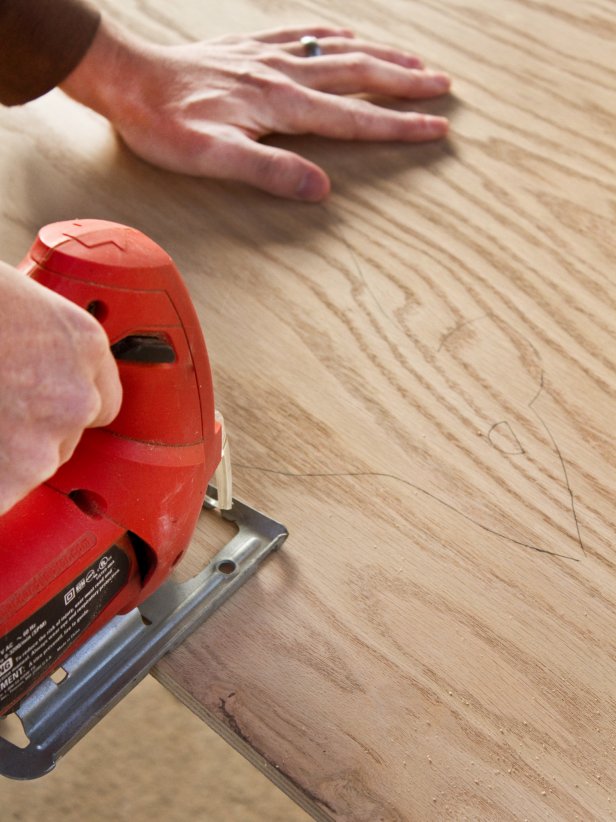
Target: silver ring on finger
x=310, y=45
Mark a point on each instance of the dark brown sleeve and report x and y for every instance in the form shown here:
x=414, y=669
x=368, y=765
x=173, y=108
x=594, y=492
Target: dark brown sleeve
x=41, y=42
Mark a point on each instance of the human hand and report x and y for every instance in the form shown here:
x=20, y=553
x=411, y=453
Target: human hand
x=57, y=377
x=201, y=108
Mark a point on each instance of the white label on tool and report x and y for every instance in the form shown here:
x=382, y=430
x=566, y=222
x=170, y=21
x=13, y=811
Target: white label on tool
x=28, y=651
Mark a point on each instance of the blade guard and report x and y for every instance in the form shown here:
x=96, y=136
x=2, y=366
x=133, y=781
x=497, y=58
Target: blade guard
x=146, y=474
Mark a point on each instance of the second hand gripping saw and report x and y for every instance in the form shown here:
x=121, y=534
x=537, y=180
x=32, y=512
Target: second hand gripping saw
x=86, y=558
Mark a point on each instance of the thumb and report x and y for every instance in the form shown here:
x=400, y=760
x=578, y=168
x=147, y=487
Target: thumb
x=271, y=169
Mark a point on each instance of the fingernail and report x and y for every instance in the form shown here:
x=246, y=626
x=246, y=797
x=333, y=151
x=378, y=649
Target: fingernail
x=440, y=80
x=437, y=126
x=312, y=187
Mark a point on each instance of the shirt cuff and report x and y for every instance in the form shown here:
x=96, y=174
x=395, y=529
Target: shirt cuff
x=42, y=42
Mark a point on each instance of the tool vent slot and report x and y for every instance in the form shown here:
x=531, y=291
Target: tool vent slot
x=144, y=555
x=144, y=348
x=92, y=504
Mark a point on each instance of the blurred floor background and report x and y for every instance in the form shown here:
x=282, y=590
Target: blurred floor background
x=149, y=759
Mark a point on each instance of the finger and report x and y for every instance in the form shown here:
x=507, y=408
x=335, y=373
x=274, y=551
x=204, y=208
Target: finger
x=287, y=35
x=348, y=118
x=357, y=72
x=109, y=389
x=66, y=449
x=343, y=45
x=271, y=169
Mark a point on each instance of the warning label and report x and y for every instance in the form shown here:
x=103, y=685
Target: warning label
x=30, y=649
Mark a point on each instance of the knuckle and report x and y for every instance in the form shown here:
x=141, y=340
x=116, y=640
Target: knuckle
x=275, y=88
x=85, y=330
x=88, y=404
x=68, y=398
x=276, y=60
x=353, y=122
x=361, y=64
x=68, y=408
x=93, y=343
x=189, y=143
x=256, y=78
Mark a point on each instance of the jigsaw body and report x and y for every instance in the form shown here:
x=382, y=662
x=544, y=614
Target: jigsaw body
x=106, y=530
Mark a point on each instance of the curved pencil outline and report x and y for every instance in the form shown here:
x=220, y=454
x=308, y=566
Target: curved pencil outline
x=445, y=338
x=383, y=475
x=560, y=457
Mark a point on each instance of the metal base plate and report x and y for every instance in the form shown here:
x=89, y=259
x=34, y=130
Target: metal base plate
x=110, y=664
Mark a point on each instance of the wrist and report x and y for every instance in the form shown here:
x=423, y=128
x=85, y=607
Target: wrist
x=108, y=78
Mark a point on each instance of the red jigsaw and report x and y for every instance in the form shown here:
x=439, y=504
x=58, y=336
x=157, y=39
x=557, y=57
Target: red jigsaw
x=105, y=531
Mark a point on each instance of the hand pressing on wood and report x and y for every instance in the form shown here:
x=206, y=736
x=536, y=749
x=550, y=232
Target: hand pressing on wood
x=58, y=377
x=201, y=108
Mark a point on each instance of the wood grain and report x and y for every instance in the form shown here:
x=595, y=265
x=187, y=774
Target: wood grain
x=418, y=378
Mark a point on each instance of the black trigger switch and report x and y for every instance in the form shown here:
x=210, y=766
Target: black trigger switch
x=143, y=348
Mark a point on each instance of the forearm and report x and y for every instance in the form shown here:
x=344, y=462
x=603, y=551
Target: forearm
x=42, y=42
